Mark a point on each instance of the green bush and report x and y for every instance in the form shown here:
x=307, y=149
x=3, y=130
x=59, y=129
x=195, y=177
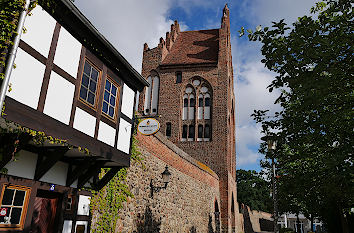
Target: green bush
x=286, y=230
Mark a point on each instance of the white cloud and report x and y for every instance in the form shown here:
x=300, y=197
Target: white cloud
x=129, y=24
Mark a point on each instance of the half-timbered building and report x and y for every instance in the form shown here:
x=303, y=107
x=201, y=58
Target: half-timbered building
x=72, y=84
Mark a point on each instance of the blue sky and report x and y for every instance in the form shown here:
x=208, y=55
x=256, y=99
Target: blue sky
x=129, y=24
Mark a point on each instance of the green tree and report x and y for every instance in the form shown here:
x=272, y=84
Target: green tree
x=253, y=190
x=313, y=61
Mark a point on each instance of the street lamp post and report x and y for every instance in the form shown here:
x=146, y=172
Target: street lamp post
x=272, y=143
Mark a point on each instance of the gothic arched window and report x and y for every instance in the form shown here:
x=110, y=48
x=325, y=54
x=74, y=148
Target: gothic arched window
x=152, y=94
x=197, y=94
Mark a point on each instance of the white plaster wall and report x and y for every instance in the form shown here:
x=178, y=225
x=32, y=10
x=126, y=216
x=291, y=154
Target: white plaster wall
x=67, y=54
x=84, y=205
x=147, y=103
x=25, y=165
x=155, y=94
x=124, y=134
x=57, y=174
x=84, y=122
x=67, y=226
x=40, y=27
x=128, y=101
x=26, y=79
x=59, y=98
x=81, y=223
x=106, y=133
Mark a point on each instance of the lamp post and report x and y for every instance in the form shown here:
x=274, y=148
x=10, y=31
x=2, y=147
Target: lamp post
x=165, y=178
x=272, y=143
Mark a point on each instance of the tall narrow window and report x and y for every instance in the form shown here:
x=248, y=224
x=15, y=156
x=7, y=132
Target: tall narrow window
x=152, y=95
x=168, y=129
x=185, y=107
x=155, y=94
x=200, y=107
x=147, y=103
x=207, y=107
x=184, y=133
x=200, y=133
x=206, y=133
x=88, y=86
x=178, y=77
x=110, y=99
x=191, y=107
x=191, y=133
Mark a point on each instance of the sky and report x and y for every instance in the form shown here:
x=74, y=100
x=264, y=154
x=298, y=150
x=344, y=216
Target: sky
x=129, y=24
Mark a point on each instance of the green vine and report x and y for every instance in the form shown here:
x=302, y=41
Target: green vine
x=106, y=204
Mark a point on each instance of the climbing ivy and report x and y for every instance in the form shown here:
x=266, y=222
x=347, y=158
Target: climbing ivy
x=106, y=203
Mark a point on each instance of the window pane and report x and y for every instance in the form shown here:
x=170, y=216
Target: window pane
x=112, y=101
x=94, y=74
x=168, y=129
x=108, y=86
x=105, y=107
x=106, y=96
x=87, y=68
x=83, y=92
x=15, y=215
x=8, y=195
x=191, y=131
x=2, y=219
x=207, y=131
x=85, y=80
x=184, y=132
x=200, y=102
x=207, y=102
x=91, y=98
x=114, y=90
x=200, y=131
x=93, y=86
x=111, y=111
x=178, y=77
x=185, y=103
x=19, y=197
x=192, y=102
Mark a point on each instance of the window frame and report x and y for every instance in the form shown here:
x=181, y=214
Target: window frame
x=20, y=225
x=98, y=83
x=116, y=108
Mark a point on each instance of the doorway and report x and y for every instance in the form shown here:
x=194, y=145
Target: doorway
x=46, y=211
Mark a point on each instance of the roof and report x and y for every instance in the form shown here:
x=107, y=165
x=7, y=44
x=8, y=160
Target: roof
x=194, y=47
x=67, y=14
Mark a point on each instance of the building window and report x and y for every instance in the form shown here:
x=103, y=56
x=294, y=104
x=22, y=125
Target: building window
x=200, y=132
x=168, y=129
x=206, y=133
x=191, y=133
x=178, y=77
x=89, y=80
x=152, y=95
x=69, y=203
x=14, y=200
x=110, y=98
x=184, y=132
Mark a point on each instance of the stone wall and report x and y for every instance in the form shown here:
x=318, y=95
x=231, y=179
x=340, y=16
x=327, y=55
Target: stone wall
x=187, y=205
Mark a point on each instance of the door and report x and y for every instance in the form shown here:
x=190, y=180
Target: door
x=45, y=213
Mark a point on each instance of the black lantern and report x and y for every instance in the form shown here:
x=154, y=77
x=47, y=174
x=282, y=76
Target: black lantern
x=165, y=178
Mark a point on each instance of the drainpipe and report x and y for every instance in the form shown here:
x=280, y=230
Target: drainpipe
x=12, y=55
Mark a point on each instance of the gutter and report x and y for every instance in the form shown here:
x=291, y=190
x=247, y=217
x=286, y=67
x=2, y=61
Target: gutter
x=12, y=54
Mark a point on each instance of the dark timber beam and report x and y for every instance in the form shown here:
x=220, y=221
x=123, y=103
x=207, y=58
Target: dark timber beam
x=106, y=178
x=78, y=171
x=11, y=144
x=50, y=155
x=91, y=172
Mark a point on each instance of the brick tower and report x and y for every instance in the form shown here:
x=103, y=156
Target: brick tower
x=191, y=89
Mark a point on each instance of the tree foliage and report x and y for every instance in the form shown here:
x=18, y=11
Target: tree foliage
x=253, y=190
x=313, y=61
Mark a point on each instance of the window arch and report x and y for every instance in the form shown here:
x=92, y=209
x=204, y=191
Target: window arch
x=196, y=110
x=152, y=94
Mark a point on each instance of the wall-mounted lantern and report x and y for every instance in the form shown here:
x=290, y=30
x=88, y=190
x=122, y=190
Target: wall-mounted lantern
x=165, y=178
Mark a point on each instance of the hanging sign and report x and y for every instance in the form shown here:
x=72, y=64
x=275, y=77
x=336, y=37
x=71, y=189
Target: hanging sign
x=52, y=187
x=148, y=126
x=3, y=211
